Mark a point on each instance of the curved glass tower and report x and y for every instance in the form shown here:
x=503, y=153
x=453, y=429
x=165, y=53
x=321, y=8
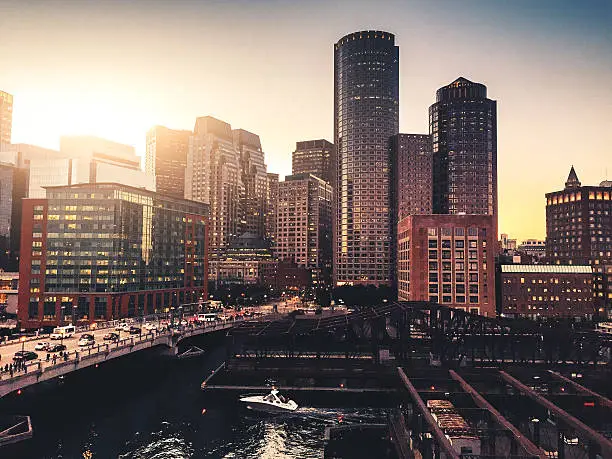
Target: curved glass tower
x=366, y=115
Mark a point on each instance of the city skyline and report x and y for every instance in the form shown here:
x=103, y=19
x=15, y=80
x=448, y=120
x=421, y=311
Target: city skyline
x=544, y=48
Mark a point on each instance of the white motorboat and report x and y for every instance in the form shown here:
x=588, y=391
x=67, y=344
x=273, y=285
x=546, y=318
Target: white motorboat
x=271, y=403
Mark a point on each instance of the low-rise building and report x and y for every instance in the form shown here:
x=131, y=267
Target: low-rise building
x=546, y=291
x=104, y=251
x=9, y=284
x=535, y=248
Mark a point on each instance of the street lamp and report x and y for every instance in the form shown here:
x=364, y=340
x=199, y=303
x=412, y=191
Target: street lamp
x=23, y=340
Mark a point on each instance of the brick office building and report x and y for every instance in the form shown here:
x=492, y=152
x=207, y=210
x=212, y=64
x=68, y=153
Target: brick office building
x=546, y=291
x=105, y=251
x=579, y=232
x=448, y=259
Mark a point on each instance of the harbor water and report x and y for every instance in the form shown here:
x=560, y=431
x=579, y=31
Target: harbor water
x=151, y=407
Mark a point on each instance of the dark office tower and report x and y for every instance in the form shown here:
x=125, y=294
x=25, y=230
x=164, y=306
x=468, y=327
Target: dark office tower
x=13, y=188
x=255, y=181
x=166, y=159
x=313, y=157
x=412, y=164
x=463, y=127
x=6, y=118
x=366, y=115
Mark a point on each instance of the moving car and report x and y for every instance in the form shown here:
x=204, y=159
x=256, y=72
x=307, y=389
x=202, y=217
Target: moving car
x=110, y=337
x=87, y=340
x=56, y=348
x=25, y=355
x=41, y=346
x=134, y=330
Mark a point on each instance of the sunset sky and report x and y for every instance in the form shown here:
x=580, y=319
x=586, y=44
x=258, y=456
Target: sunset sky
x=115, y=68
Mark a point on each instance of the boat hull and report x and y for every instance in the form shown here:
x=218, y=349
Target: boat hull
x=267, y=408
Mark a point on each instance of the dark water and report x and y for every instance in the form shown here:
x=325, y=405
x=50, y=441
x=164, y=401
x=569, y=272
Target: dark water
x=152, y=407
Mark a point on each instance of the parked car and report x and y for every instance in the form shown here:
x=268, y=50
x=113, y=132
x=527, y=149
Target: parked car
x=87, y=340
x=134, y=330
x=56, y=348
x=41, y=346
x=24, y=355
x=123, y=326
x=110, y=337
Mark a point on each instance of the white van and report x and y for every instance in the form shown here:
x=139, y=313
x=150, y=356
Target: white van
x=63, y=332
x=207, y=317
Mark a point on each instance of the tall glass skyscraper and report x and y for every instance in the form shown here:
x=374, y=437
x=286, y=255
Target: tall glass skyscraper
x=366, y=115
x=6, y=118
x=463, y=127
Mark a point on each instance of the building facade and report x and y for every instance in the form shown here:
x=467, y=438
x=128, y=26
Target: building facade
x=166, y=159
x=214, y=177
x=313, y=157
x=366, y=115
x=9, y=285
x=546, y=291
x=304, y=218
x=271, y=205
x=448, y=259
x=463, y=127
x=6, y=117
x=106, y=251
x=535, y=248
x=579, y=232
x=255, y=182
x=13, y=188
x=239, y=264
x=412, y=166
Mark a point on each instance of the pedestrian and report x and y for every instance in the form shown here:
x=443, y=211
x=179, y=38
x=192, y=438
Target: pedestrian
x=54, y=359
x=25, y=368
x=11, y=370
x=48, y=356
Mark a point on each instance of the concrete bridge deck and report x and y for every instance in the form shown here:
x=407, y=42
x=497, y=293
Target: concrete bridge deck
x=76, y=358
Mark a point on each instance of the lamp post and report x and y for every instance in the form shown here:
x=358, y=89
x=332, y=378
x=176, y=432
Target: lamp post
x=23, y=340
x=74, y=308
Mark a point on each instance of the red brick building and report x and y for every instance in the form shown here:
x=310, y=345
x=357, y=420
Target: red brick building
x=546, y=291
x=104, y=251
x=448, y=259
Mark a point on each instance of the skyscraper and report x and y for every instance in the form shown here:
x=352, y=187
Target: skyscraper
x=579, y=232
x=313, y=157
x=13, y=188
x=463, y=127
x=271, y=206
x=214, y=176
x=255, y=181
x=366, y=115
x=6, y=117
x=304, y=224
x=166, y=159
x=412, y=171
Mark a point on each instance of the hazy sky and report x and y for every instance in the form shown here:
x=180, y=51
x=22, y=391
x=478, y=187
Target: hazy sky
x=115, y=68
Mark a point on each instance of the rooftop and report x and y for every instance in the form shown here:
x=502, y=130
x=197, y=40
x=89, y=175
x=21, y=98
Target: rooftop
x=553, y=269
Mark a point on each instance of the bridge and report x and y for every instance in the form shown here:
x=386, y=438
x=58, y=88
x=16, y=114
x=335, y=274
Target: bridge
x=76, y=358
